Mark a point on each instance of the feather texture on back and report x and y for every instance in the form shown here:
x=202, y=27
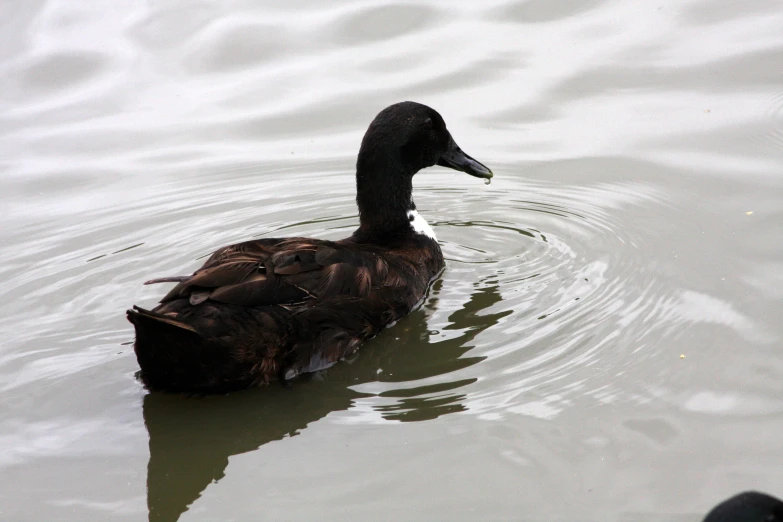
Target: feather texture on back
x=287, y=306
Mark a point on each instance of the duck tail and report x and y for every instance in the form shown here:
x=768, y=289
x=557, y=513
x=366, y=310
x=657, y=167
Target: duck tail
x=174, y=357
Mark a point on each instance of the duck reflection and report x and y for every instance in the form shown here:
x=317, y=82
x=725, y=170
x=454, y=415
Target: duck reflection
x=191, y=440
x=436, y=357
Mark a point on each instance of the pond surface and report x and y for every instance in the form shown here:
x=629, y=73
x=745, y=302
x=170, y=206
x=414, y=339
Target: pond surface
x=604, y=345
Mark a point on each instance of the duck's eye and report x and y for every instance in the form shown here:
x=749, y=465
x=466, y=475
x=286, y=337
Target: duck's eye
x=428, y=122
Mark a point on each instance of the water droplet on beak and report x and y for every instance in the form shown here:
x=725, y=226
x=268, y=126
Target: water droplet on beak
x=487, y=181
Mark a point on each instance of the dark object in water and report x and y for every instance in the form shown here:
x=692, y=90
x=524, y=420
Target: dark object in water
x=750, y=506
x=280, y=307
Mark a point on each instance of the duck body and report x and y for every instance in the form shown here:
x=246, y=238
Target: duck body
x=276, y=308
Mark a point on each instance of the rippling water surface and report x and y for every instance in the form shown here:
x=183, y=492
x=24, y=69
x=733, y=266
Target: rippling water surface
x=605, y=343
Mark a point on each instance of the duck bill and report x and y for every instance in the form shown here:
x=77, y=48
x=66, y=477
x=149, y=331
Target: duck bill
x=455, y=159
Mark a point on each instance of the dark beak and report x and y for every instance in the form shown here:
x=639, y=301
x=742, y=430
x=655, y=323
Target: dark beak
x=455, y=159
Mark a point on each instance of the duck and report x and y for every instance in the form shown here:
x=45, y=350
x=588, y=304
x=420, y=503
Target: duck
x=748, y=506
x=273, y=309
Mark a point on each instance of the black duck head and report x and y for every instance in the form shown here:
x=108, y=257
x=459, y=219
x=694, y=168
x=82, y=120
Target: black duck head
x=411, y=136
x=402, y=139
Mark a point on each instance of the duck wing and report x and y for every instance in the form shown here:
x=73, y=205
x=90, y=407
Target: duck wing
x=281, y=272
x=275, y=308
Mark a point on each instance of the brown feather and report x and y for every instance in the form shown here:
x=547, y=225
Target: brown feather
x=158, y=317
x=381, y=268
x=169, y=279
x=296, y=260
x=199, y=297
x=363, y=281
x=227, y=273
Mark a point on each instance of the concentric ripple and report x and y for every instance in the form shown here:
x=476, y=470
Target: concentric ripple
x=568, y=283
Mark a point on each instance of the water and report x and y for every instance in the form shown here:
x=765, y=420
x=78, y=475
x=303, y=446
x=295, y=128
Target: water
x=635, y=217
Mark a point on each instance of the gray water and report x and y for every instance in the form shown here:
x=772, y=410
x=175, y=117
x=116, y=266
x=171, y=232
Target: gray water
x=604, y=345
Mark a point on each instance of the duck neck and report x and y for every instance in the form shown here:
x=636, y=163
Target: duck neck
x=384, y=195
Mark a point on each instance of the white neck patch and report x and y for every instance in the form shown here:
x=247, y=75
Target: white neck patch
x=420, y=226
